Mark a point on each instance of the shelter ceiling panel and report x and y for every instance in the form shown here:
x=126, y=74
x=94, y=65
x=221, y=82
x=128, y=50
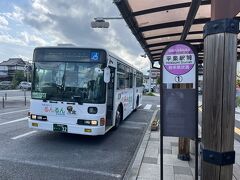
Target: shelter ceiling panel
x=194, y=36
x=156, y=52
x=156, y=55
x=204, y=11
x=162, y=17
x=196, y=27
x=163, y=31
x=156, y=47
x=165, y=39
x=137, y=5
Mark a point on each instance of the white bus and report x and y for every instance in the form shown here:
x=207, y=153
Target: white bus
x=82, y=90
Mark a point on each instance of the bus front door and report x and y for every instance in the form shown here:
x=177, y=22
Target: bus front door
x=110, y=98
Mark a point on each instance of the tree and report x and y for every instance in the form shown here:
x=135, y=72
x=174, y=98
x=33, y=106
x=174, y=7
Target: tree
x=158, y=80
x=18, y=77
x=238, y=80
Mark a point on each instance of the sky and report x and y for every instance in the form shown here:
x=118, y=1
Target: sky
x=26, y=24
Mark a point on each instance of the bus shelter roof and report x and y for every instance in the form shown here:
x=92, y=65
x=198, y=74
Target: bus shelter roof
x=155, y=24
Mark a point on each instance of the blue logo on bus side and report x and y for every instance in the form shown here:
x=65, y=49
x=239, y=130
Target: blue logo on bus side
x=94, y=56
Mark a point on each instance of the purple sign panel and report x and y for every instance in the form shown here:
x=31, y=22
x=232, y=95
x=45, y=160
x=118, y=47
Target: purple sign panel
x=179, y=59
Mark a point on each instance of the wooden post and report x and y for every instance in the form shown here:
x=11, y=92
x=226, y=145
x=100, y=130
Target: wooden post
x=184, y=149
x=220, y=58
x=183, y=143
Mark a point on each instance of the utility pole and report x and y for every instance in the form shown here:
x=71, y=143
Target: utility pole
x=220, y=58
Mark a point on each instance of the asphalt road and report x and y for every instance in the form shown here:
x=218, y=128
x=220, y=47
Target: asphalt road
x=29, y=154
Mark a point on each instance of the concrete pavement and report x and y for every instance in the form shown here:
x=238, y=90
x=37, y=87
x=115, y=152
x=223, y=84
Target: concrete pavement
x=147, y=162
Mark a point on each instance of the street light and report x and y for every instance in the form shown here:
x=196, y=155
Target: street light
x=100, y=22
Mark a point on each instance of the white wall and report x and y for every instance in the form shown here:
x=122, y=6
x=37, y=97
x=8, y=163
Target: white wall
x=3, y=70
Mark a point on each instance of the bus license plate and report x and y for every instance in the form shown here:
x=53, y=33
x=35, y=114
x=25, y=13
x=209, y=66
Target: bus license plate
x=60, y=128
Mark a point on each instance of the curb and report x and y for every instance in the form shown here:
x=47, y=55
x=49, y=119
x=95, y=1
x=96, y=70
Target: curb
x=135, y=164
x=156, y=94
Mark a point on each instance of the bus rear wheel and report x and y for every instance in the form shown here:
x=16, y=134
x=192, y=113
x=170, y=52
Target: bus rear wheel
x=118, y=117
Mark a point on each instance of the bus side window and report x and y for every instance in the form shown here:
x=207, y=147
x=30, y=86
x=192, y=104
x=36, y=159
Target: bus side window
x=120, y=81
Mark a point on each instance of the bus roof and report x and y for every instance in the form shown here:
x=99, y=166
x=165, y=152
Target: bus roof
x=79, y=47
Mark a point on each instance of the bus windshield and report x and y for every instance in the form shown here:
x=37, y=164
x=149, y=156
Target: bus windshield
x=71, y=82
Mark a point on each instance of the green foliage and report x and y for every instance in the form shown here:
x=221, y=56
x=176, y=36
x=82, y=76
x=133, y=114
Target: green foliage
x=238, y=82
x=18, y=77
x=158, y=80
x=238, y=101
x=150, y=94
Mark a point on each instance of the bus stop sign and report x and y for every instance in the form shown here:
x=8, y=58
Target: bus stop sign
x=179, y=90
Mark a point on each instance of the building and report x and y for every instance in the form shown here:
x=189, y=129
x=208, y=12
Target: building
x=155, y=74
x=10, y=67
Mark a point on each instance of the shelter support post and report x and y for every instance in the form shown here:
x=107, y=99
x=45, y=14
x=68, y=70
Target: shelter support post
x=220, y=58
x=184, y=149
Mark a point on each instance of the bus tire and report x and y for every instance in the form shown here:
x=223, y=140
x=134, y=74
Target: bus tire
x=118, y=117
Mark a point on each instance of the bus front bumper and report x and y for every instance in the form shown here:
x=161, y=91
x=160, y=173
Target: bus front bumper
x=74, y=129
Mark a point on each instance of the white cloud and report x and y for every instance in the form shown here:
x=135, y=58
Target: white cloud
x=25, y=58
x=3, y=21
x=33, y=40
x=48, y=22
x=37, y=40
x=16, y=15
x=6, y=38
x=39, y=6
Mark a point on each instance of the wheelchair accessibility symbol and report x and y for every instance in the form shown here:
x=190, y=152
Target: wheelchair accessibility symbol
x=178, y=78
x=94, y=56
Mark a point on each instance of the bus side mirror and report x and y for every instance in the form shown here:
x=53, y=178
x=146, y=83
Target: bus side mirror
x=106, y=74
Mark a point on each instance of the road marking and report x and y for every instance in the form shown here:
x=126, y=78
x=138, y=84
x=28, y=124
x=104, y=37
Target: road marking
x=13, y=112
x=148, y=106
x=23, y=135
x=82, y=170
x=237, y=117
x=237, y=130
x=158, y=106
x=131, y=127
x=146, y=110
x=17, y=120
x=135, y=122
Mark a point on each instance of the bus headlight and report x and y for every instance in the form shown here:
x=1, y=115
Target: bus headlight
x=92, y=110
x=38, y=117
x=94, y=123
x=87, y=122
x=33, y=116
